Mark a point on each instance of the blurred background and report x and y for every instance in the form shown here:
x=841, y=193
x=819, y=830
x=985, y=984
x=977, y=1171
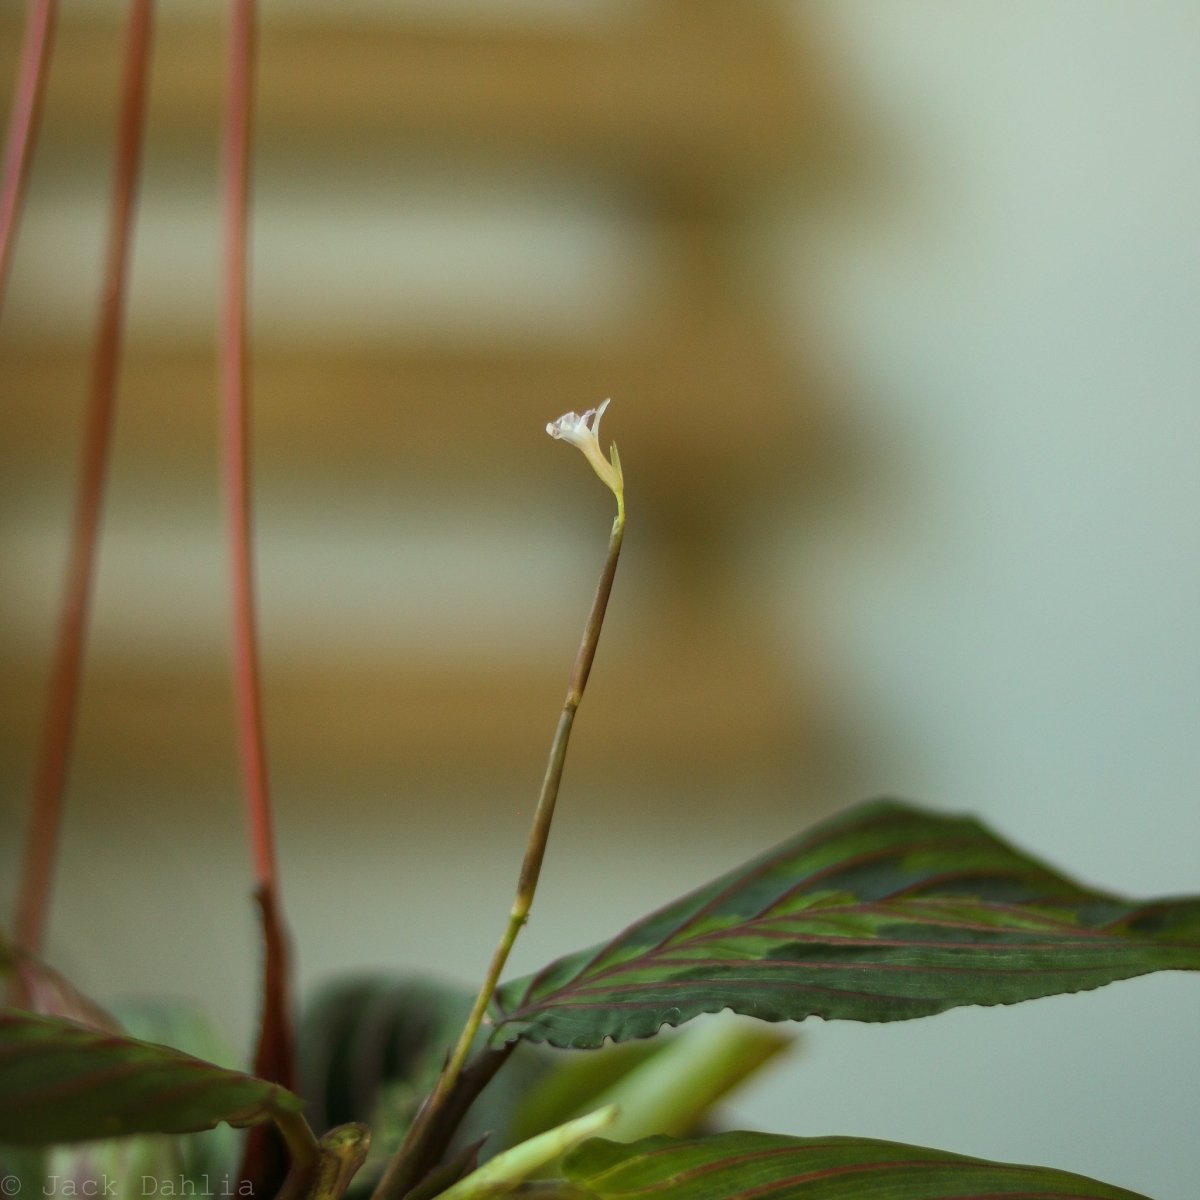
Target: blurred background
x=898, y=307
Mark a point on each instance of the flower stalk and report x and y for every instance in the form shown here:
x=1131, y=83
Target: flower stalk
x=62, y=705
x=37, y=43
x=405, y=1168
x=274, y=1056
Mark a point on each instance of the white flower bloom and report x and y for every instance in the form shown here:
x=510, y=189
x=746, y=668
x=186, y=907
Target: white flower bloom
x=583, y=430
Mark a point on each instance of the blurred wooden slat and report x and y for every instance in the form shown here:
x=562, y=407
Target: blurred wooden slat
x=685, y=106
x=691, y=412
x=658, y=707
x=699, y=97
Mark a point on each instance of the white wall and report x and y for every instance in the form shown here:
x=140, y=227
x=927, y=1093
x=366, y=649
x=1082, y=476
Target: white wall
x=1019, y=317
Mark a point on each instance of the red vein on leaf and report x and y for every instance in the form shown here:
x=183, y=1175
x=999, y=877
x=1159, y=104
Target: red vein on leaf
x=741, y=882
x=653, y=956
x=36, y=45
x=930, y=910
x=902, y=1163
x=63, y=701
x=587, y=983
x=776, y=929
x=1065, y=892
x=602, y=985
x=679, y=934
x=714, y=1001
x=1002, y=941
x=897, y=851
x=86, y=1087
x=905, y=1165
x=740, y=878
x=738, y=1162
x=761, y=969
x=672, y=1147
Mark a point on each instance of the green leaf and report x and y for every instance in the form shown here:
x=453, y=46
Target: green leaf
x=884, y=913
x=362, y=1036
x=25, y=1169
x=574, y=1082
x=506, y=1171
x=61, y=1082
x=370, y=1049
x=183, y=1025
x=37, y=987
x=732, y=1165
x=83, y=1168
x=674, y=1091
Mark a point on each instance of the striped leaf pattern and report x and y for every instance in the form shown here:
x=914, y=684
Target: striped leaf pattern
x=763, y=1166
x=62, y=1082
x=884, y=913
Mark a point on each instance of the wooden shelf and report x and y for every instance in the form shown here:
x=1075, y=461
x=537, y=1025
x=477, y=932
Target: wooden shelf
x=690, y=96
x=690, y=413
x=688, y=107
x=654, y=708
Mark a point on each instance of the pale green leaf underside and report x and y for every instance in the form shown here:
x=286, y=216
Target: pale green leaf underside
x=884, y=913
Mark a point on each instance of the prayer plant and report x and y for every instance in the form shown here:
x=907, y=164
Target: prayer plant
x=886, y=912
x=558, y=1084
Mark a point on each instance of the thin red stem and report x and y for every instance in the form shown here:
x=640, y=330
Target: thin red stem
x=36, y=45
x=235, y=402
x=63, y=701
x=264, y=1158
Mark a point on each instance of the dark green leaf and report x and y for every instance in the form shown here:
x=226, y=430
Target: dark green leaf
x=60, y=1082
x=884, y=913
x=371, y=1049
x=729, y=1166
x=363, y=1035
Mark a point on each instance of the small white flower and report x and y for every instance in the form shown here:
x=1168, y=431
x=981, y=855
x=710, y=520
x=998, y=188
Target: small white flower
x=583, y=430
